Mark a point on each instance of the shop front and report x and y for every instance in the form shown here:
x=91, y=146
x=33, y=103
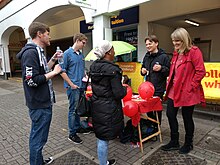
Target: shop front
x=124, y=28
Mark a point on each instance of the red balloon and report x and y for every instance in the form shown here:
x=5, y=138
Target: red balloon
x=129, y=93
x=89, y=88
x=89, y=91
x=130, y=108
x=146, y=90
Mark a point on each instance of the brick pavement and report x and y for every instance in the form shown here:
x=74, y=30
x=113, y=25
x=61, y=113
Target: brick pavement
x=15, y=126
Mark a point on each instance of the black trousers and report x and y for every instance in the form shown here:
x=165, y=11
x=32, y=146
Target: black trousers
x=187, y=114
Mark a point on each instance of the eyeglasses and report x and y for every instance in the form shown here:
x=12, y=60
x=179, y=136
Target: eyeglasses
x=83, y=42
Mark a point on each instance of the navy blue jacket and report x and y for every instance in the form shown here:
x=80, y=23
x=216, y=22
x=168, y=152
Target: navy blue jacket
x=36, y=89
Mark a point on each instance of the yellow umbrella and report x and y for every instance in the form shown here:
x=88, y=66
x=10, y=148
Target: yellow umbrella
x=120, y=48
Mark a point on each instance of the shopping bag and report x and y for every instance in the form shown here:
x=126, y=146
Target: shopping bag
x=83, y=108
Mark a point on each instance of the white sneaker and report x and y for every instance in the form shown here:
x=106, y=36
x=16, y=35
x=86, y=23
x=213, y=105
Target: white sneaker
x=111, y=162
x=48, y=160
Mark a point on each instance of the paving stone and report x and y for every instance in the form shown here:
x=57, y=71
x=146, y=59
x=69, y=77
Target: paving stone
x=210, y=142
x=214, y=159
x=124, y=158
x=122, y=162
x=215, y=132
x=5, y=92
x=15, y=127
x=2, y=160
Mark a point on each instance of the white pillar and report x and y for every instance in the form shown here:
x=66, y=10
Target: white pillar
x=102, y=30
x=26, y=32
x=5, y=65
x=1, y=60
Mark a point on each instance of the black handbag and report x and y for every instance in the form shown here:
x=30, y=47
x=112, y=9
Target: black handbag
x=83, y=108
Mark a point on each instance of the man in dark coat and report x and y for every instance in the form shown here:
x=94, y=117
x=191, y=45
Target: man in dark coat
x=107, y=114
x=155, y=67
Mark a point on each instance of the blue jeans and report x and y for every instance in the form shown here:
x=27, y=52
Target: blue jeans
x=73, y=119
x=41, y=119
x=102, y=150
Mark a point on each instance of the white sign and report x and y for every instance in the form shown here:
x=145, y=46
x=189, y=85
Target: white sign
x=84, y=3
x=116, y=5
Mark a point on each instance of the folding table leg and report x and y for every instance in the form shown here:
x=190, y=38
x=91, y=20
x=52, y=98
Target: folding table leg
x=158, y=124
x=140, y=137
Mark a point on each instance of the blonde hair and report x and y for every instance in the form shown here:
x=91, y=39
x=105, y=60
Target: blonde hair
x=182, y=35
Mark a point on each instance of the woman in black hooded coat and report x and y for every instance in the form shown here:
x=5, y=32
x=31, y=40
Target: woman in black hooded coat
x=107, y=114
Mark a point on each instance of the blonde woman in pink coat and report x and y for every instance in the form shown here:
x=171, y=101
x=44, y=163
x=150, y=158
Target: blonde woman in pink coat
x=184, y=88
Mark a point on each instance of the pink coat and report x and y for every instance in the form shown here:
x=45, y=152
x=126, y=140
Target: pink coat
x=188, y=75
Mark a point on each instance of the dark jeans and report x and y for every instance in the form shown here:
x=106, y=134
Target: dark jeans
x=41, y=119
x=73, y=119
x=187, y=114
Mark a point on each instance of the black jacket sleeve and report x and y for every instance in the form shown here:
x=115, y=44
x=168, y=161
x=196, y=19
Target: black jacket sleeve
x=165, y=68
x=143, y=65
x=119, y=91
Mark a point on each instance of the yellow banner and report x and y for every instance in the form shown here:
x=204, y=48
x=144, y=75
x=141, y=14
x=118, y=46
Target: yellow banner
x=132, y=70
x=211, y=82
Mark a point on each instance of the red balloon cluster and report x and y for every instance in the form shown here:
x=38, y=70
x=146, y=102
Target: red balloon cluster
x=130, y=108
x=129, y=93
x=146, y=90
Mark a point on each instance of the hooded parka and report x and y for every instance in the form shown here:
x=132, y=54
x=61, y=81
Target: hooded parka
x=107, y=114
x=35, y=84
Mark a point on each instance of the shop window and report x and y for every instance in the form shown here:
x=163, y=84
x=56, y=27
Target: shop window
x=129, y=36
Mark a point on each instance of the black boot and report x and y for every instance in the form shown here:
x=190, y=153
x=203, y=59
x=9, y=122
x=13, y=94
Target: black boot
x=173, y=144
x=188, y=145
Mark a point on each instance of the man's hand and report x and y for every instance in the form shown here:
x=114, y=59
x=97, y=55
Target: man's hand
x=144, y=71
x=73, y=86
x=157, y=67
x=57, y=69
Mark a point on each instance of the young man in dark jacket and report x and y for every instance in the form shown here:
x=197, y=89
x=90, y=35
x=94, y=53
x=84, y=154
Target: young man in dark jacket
x=155, y=67
x=38, y=89
x=107, y=114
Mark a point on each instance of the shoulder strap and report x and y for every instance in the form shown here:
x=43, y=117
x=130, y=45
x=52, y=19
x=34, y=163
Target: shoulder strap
x=87, y=80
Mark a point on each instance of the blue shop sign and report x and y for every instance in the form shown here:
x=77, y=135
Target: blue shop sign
x=125, y=17
x=85, y=27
